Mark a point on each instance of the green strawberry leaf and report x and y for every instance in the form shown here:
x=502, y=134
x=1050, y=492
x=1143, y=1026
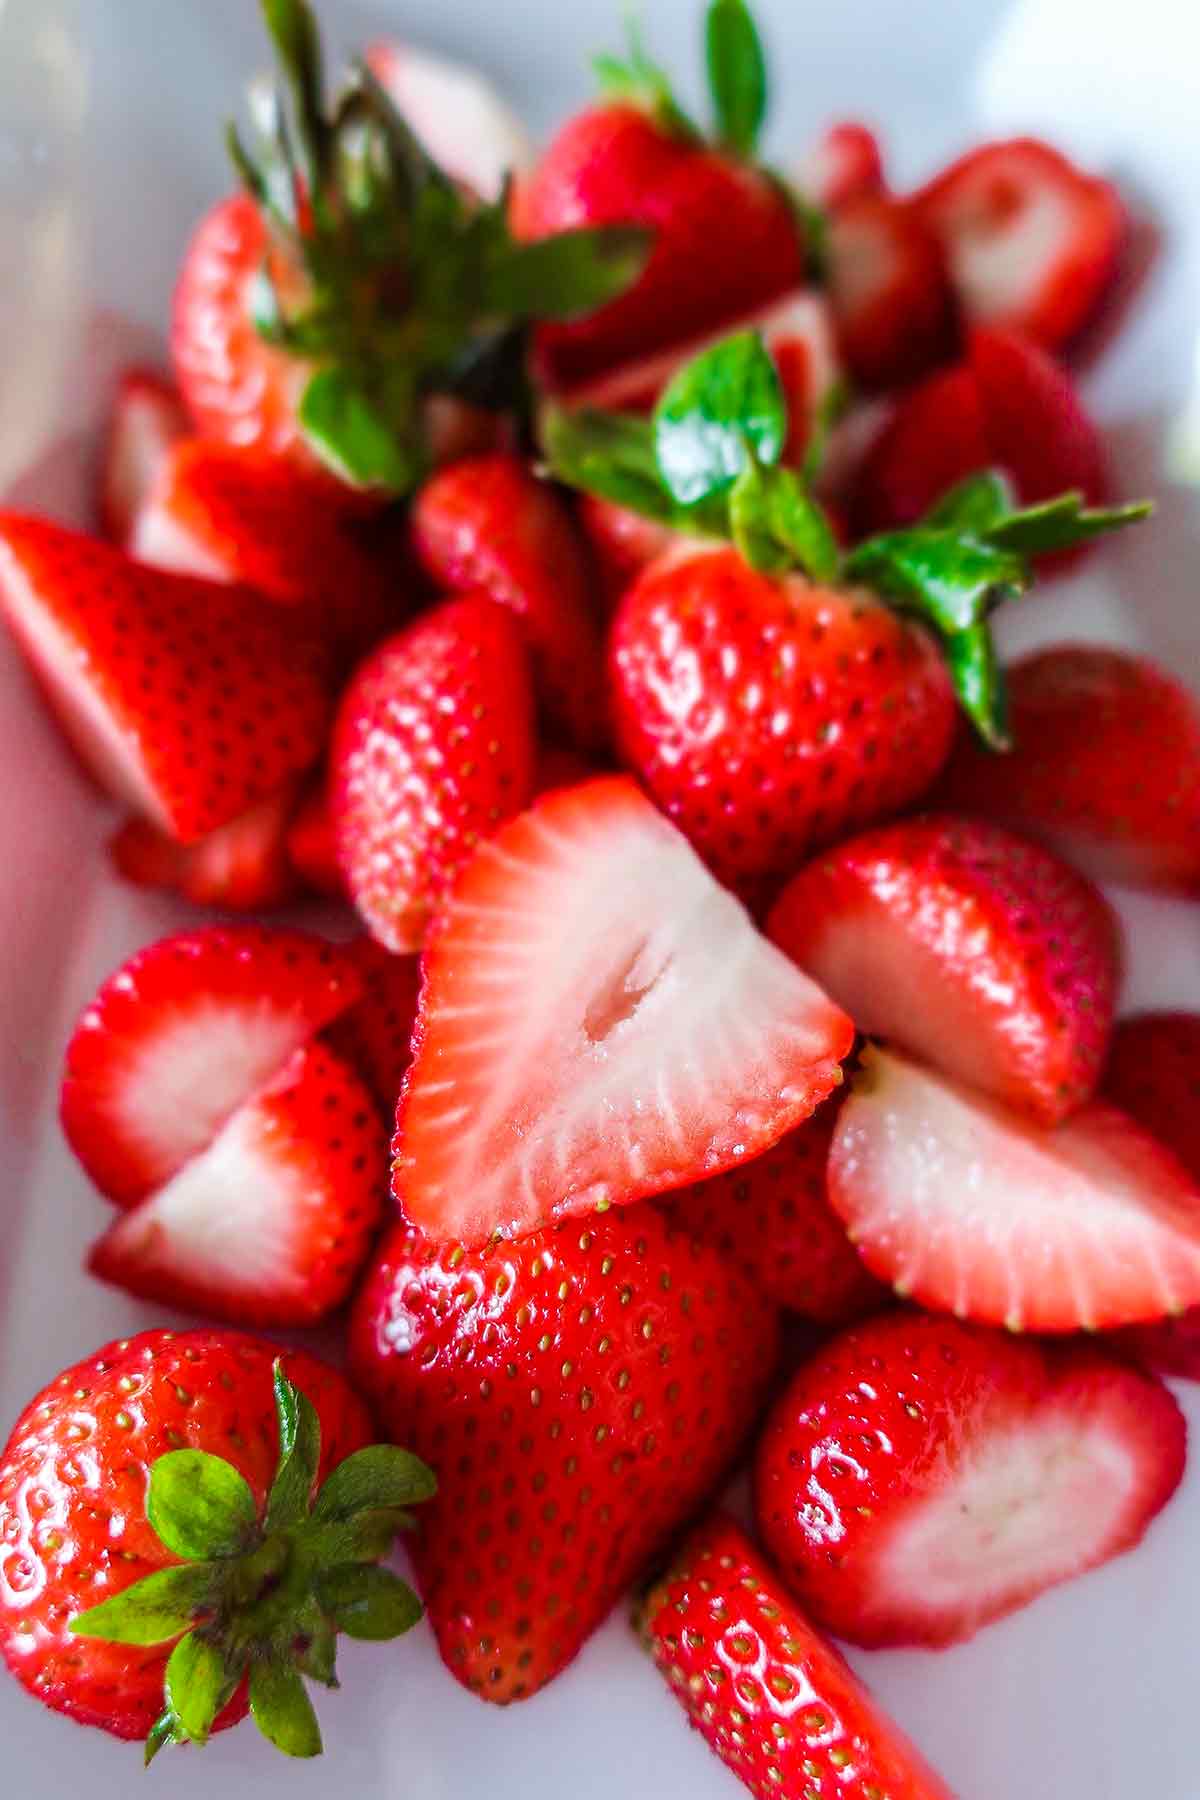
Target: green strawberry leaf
x=297, y=43
x=1062, y=523
x=369, y=1602
x=315, y=1645
x=641, y=81
x=197, y=1685
x=344, y=424
x=726, y=399
x=156, y=1609
x=973, y=505
x=777, y=525
x=378, y=1478
x=737, y=75
x=281, y=1708
x=199, y=1505
x=299, y=1454
x=612, y=455
x=567, y=276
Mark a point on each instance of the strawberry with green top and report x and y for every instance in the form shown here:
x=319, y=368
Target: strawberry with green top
x=330, y=312
x=771, y=691
x=190, y=1520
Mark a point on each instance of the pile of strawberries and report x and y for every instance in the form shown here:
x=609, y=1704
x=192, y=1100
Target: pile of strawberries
x=582, y=575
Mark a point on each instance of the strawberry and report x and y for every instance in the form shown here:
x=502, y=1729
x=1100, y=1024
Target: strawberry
x=376, y=1033
x=1106, y=768
x=888, y=291
x=1031, y=241
x=971, y=948
x=1153, y=1074
x=460, y=119
x=578, y=1394
x=623, y=543
x=166, y=1483
x=236, y=514
x=773, y=1216
x=269, y=1225
x=774, y=1700
x=312, y=843
x=844, y=165
x=432, y=749
x=489, y=523
x=921, y=1477
x=181, y=1035
x=1009, y=405
x=244, y=866
x=968, y=1208
x=147, y=417
x=808, y=709
x=606, y=1018
x=188, y=700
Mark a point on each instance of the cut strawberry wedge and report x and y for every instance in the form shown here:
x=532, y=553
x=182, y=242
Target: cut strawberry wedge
x=599, y=1021
x=181, y=1035
x=241, y=867
x=967, y=1209
x=148, y=416
x=1031, y=241
x=888, y=291
x=312, y=843
x=376, y=1033
x=269, y=1224
x=844, y=164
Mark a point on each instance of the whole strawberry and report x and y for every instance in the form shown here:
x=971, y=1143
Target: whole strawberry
x=578, y=1394
x=432, y=750
x=776, y=694
x=189, y=1519
x=769, y=1695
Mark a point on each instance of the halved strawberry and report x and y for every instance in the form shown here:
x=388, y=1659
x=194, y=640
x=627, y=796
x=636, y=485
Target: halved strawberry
x=461, y=120
x=181, y=1035
x=599, y=1021
x=968, y=1209
x=888, y=290
x=312, y=843
x=376, y=1033
x=844, y=164
x=268, y=1225
x=433, y=748
x=489, y=523
x=146, y=419
x=1030, y=240
x=186, y=699
x=241, y=867
x=976, y=950
x=235, y=513
x=920, y=1477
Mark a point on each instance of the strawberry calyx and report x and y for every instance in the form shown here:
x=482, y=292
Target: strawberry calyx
x=261, y=1599
x=384, y=276
x=707, y=463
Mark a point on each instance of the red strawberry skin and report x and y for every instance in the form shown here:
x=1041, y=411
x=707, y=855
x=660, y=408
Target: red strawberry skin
x=1106, y=768
x=186, y=698
x=312, y=843
x=86, y=1537
x=271, y=988
x=316, y=1134
x=843, y=165
x=241, y=867
x=969, y=946
x=578, y=1395
x=773, y=1217
x=613, y=165
x=489, y=523
x=376, y=1033
x=888, y=291
x=897, y=1421
x=433, y=748
x=768, y=717
x=147, y=417
x=623, y=543
x=935, y=436
x=771, y=1698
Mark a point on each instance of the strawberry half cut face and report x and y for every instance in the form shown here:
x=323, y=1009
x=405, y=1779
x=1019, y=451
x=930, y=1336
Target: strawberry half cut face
x=600, y=1021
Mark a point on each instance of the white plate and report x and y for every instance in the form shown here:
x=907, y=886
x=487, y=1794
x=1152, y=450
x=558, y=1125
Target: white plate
x=1088, y=1694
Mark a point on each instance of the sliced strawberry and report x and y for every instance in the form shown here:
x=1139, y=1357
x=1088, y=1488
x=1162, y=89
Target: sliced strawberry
x=773, y=1216
x=376, y=1033
x=599, y=1021
x=147, y=417
x=968, y=1209
x=1106, y=767
x=1030, y=240
x=237, y=514
x=490, y=523
x=463, y=123
x=920, y=1477
x=267, y=1226
x=845, y=164
x=241, y=867
x=888, y=291
x=187, y=700
x=433, y=748
x=312, y=843
x=181, y=1035
x=933, y=438
x=974, y=949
